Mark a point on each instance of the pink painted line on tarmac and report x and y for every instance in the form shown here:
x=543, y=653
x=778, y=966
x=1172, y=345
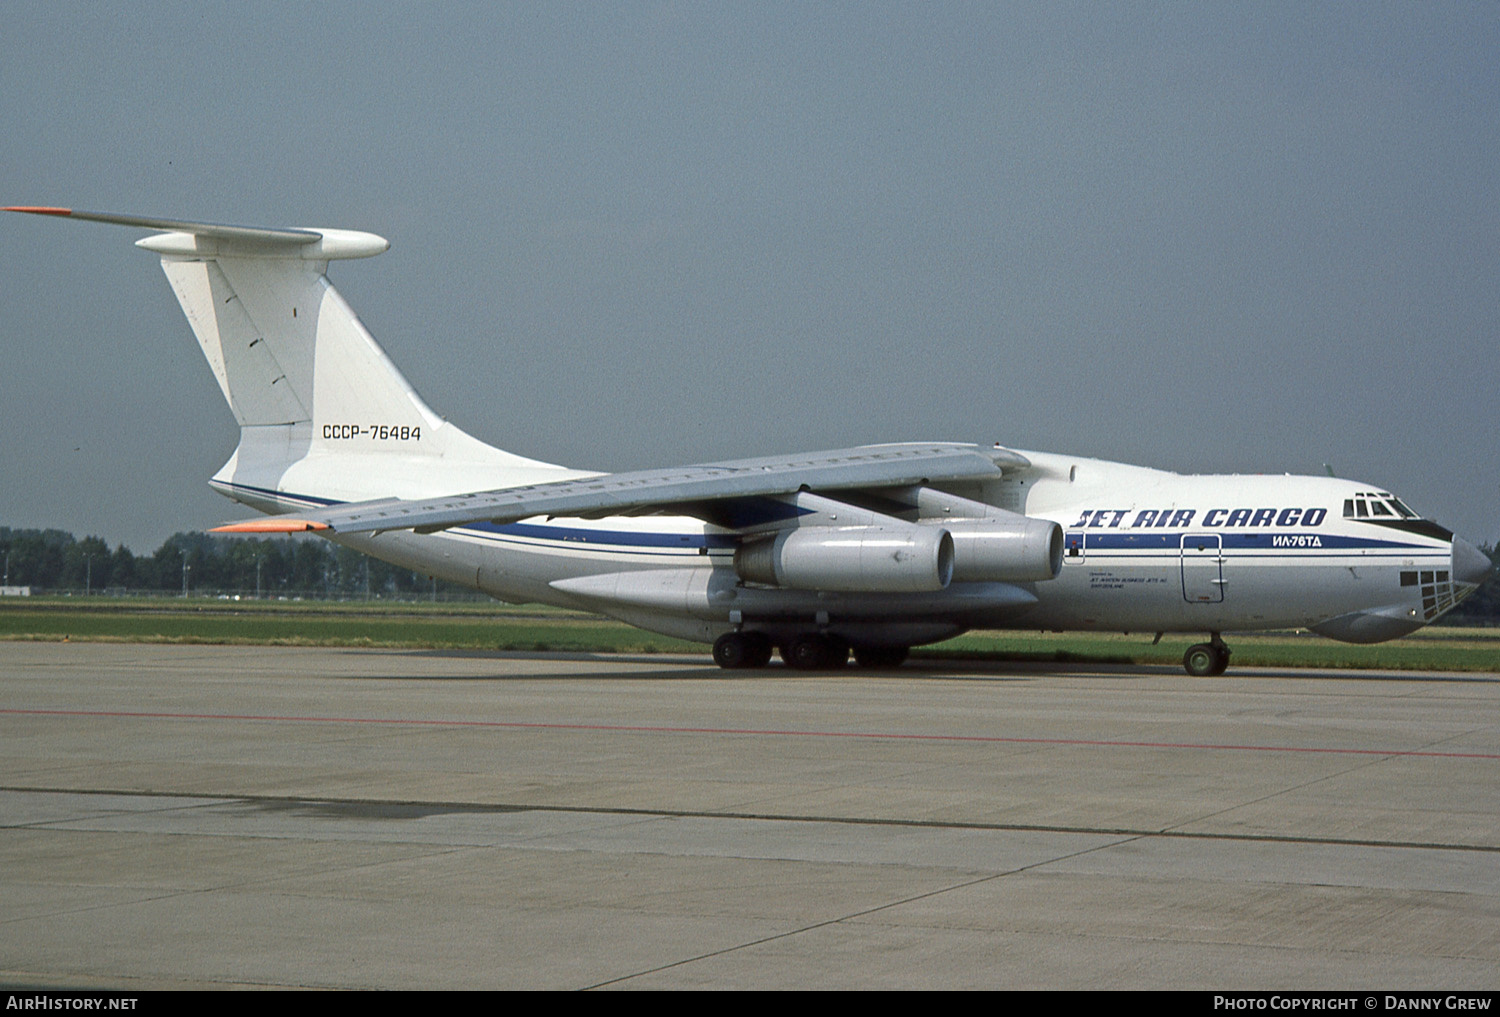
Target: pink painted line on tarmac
x=768, y=732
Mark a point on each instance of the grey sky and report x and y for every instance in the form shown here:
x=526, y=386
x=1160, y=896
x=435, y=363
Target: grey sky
x=1204, y=237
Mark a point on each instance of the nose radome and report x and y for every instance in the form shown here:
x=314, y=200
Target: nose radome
x=1470, y=565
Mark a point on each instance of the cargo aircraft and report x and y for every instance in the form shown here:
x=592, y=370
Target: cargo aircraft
x=873, y=549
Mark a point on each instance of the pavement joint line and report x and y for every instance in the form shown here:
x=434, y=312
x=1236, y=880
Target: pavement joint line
x=767, y=732
x=481, y=808
x=789, y=933
x=862, y=913
x=1358, y=764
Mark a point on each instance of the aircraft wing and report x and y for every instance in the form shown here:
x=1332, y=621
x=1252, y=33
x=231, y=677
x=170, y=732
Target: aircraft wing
x=871, y=466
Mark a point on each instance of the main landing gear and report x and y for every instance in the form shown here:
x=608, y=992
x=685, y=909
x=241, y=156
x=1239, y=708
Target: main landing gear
x=737, y=650
x=814, y=651
x=1207, y=660
x=810, y=651
x=881, y=656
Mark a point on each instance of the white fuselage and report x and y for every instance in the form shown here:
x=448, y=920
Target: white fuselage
x=1146, y=550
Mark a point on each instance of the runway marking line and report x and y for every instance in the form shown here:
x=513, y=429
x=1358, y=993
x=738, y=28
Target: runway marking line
x=769, y=732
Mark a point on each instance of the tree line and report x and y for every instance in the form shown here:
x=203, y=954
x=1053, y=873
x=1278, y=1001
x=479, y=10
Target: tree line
x=1482, y=607
x=54, y=561
x=205, y=563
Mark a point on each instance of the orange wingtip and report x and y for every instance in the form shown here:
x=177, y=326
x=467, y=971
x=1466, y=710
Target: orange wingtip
x=274, y=525
x=38, y=209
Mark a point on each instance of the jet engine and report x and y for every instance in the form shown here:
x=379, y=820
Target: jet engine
x=856, y=559
x=1012, y=549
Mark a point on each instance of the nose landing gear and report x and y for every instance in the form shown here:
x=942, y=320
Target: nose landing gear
x=1206, y=660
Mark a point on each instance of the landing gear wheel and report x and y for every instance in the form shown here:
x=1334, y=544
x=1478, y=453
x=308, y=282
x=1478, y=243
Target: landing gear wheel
x=738, y=650
x=814, y=652
x=1200, y=660
x=881, y=656
x=1206, y=660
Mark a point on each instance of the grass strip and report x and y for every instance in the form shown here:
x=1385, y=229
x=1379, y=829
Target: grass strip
x=532, y=628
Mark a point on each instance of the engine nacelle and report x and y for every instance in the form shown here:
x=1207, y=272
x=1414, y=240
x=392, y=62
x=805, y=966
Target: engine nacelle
x=1014, y=549
x=854, y=559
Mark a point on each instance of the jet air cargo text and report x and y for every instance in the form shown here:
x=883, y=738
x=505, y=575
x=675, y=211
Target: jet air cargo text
x=1215, y=518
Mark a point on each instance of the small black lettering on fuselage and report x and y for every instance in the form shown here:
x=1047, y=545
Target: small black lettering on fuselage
x=375, y=432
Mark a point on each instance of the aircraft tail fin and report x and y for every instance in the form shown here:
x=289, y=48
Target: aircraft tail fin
x=324, y=415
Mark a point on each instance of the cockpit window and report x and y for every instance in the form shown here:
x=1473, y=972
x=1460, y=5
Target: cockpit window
x=1372, y=504
x=1376, y=504
x=1381, y=508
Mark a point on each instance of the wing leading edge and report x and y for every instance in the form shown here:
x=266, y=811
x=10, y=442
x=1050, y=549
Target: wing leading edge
x=628, y=493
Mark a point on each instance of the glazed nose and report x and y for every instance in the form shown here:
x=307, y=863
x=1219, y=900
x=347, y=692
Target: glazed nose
x=1470, y=565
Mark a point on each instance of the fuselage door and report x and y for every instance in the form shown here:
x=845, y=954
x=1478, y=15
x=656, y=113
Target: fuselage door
x=1202, y=568
x=1074, y=543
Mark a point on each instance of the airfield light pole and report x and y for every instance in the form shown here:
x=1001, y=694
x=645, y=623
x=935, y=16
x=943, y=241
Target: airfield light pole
x=186, y=568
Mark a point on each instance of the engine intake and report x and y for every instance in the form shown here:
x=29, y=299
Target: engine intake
x=855, y=559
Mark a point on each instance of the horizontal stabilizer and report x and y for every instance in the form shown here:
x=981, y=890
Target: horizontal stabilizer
x=181, y=236
x=201, y=229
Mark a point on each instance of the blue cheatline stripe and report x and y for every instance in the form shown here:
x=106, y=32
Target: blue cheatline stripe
x=287, y=496
x=1291, y=554
x=1096, y=541
x=560, y=534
